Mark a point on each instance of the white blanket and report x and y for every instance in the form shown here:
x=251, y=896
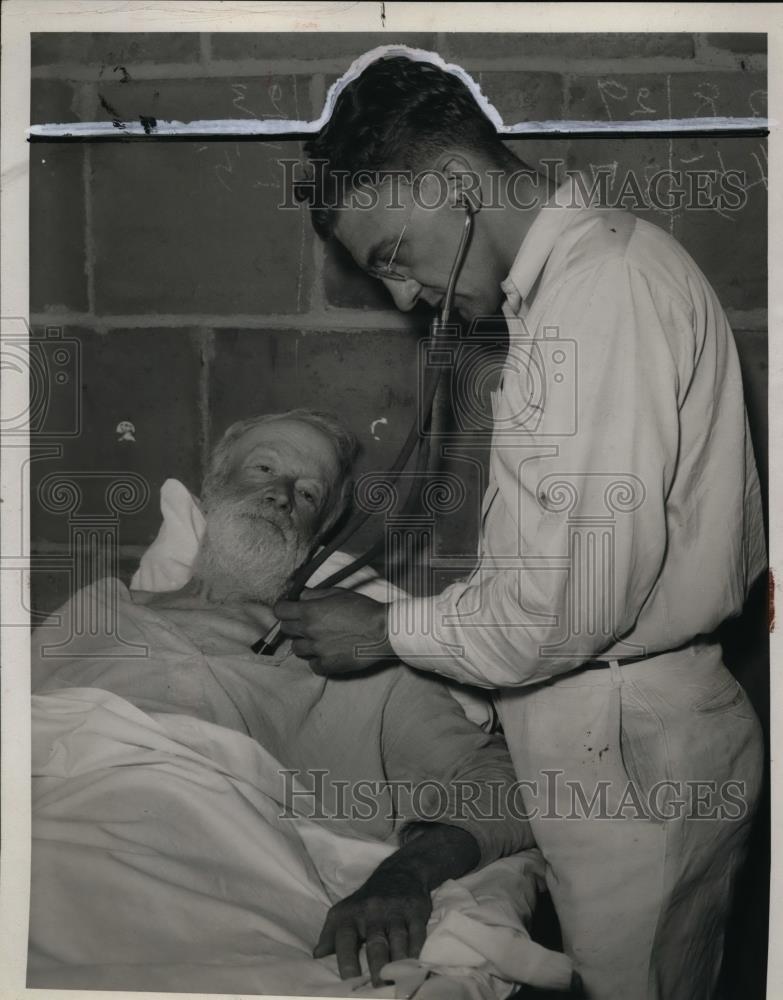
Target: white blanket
x=161, y=862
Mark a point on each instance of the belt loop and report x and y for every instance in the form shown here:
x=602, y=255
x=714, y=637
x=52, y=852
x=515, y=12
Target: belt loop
x=616, y=673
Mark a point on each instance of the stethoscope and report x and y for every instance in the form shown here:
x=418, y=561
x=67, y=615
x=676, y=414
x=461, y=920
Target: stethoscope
x=420, y=433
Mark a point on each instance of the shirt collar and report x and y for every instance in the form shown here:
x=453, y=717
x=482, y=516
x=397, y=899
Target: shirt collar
x=554, y=217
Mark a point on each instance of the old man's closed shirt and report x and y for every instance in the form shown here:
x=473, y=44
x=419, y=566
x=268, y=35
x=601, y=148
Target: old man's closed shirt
x=623, y=515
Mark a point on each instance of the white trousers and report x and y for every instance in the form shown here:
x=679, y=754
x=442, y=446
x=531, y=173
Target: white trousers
x=640, y=781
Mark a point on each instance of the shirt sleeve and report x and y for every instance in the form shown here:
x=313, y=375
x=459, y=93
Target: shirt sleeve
x=583, y=463
x=447, y=770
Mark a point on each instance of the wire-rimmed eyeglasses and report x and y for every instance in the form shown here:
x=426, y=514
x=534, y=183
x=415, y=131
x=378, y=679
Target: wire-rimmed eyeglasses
x=386, y=272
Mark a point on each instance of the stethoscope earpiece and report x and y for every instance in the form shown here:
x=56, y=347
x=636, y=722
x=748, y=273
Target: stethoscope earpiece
x=469, y=205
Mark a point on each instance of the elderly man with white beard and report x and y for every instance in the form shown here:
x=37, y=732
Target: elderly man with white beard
x=276, y=485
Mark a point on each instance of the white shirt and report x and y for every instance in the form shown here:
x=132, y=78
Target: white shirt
x=623, y=515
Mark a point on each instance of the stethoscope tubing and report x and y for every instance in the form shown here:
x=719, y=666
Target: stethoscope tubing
x=417, y=435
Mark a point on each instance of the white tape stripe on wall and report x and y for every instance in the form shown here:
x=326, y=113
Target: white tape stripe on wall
x=231, y=128
x=249, y=127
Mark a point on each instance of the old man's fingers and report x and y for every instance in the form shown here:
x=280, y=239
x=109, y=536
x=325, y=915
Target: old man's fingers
x=343, y=940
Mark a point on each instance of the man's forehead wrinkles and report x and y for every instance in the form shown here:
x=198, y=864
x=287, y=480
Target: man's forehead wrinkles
x=255, y=451
x=267, y=446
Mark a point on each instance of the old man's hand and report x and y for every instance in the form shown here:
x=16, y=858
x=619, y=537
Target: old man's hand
x=337, y=631
x=388, y=914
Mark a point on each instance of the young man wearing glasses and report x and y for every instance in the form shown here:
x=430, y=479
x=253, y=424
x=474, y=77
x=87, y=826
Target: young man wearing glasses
x=621, y=526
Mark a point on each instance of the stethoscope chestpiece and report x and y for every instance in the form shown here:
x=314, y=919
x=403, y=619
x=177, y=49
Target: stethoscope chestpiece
x=269, y=644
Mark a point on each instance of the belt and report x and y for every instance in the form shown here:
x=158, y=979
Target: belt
x=622, y=661
x=600, y=663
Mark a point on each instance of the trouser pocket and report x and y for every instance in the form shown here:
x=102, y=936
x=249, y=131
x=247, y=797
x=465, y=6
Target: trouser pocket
x=644, y=749
x=691, y=738
x=724, y=693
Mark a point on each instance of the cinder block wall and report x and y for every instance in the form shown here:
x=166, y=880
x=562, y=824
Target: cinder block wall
x=195, y=300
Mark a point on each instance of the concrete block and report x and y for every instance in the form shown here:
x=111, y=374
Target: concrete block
x=273, y=96
x=625, y=97
x=53, y=101
x=196, y=228
x=473, y=47
x=275, y=45
x=58, y=280
x=149, y=378
x=520, y=97
x=627, y=169
x=743, y=43
x=57, y=223
x=729, y=243
x=107, y=49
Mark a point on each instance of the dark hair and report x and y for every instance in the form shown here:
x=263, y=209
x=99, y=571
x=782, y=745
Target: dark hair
x=393, y=116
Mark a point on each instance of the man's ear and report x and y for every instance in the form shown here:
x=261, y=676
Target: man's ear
x=463, y=181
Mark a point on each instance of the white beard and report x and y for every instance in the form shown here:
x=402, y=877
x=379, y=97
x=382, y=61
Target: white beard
x=249, y=550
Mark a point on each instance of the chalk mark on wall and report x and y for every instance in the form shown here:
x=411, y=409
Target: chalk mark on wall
x=374, y=424
x=126, y=430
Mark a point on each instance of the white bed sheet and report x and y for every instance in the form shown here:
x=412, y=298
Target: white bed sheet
x=161, y=863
